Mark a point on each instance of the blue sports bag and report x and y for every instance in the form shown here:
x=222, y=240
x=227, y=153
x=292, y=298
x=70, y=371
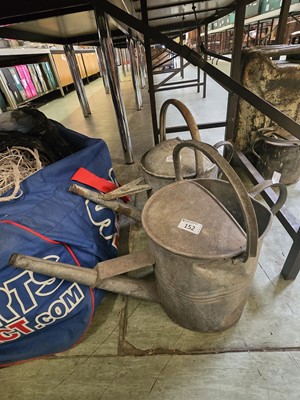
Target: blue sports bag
x=40, y=315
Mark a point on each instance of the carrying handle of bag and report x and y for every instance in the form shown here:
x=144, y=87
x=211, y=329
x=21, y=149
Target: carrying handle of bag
x=239, y=188
x=191, y=123
x=267, y=184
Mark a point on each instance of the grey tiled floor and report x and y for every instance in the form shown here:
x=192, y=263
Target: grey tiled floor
x=150, y=357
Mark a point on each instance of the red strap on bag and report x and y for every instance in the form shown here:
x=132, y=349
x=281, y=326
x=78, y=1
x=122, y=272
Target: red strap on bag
x=86, y=177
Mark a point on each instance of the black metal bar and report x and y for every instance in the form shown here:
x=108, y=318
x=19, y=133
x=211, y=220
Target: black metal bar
x=157, y=55
x=213, y=54
x=256, y=35
x=260, y=32
x=208, y=125
x=291, y=266
x=205, y=57
x=283, y=17
x=166, y=71
x=248, y=35
x=194, y=58
x=295, y=18
x=235, y=71
x=177, y=4
x=271, y=30
x=180, y=82
x=163, y=56
x=181, y=58
x=170, y=76
x=179, y=87
x=198, y=49
x=165, y=62
x=150, y=73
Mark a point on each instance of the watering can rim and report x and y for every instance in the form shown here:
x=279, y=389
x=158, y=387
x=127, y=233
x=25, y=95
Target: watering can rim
x=209, y=166
x=176, y=251
x=153, y=173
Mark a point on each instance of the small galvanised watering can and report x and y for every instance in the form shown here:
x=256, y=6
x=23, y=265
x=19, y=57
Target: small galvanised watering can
x=204, y=237
x=157, y=163
x=277, y=152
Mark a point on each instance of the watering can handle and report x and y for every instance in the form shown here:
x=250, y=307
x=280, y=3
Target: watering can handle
x=259, y=139
x=188, y=117
x=240, y=190
x=271, y=135
x=191, y=123
x=269, y=183
x=266, y=129
x=230, y=150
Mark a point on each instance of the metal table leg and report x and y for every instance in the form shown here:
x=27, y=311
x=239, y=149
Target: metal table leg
x=114, y=82
x=134, y=74
x=79, y=86
x=103, y=70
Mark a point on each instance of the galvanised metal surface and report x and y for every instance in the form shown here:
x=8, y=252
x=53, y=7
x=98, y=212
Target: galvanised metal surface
x=90, y=277
x=200, y=287
x=157, y=163
x=203, y=279
x=220, y=234
x=96, y=197
x=236, y=183
x=277, y=152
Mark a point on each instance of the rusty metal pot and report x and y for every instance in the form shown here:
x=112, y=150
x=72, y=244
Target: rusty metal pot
x=277, y=152
x=205, y=245
x=157, y=163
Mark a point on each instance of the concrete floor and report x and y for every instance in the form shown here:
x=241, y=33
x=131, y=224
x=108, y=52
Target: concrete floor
x=132, y=350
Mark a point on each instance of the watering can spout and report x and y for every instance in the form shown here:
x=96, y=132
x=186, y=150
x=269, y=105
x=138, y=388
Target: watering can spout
x=100, y=277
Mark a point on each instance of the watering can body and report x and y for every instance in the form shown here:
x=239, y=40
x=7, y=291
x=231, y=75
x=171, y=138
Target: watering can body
x=157, y=163
x=206, y=292
x=277, y=153
x=204, y=279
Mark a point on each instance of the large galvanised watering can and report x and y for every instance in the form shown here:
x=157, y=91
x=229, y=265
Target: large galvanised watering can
x=204, y=236
x=157, y=163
